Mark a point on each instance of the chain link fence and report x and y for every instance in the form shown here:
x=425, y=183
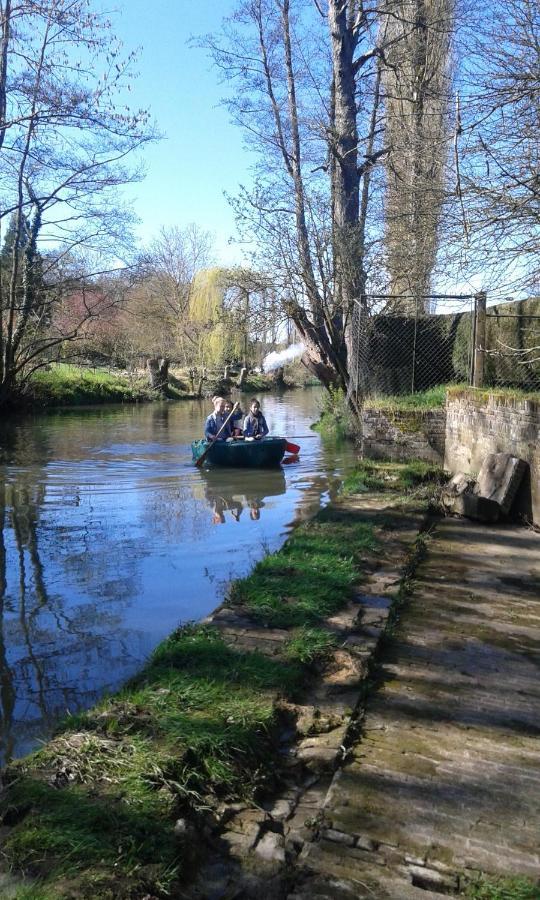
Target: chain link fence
x=448, y=340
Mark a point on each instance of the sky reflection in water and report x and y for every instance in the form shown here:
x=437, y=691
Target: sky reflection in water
x=110, y=538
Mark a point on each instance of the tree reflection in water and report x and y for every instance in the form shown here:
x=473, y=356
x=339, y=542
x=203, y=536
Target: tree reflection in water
x=50, y=644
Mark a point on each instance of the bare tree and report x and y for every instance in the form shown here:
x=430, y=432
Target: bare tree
x=304, y=77
x=63, y=150
x=500, y=145
x=173, y=259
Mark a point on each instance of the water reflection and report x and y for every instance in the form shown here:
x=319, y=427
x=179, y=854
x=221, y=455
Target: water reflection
x=49, y=644
x=239, y=492
x=105, y=530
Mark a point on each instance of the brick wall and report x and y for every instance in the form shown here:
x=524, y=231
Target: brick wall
x=400, y=436
x=478, y=424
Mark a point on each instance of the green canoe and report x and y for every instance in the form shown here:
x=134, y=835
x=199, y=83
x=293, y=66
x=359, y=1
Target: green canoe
x=263, y=454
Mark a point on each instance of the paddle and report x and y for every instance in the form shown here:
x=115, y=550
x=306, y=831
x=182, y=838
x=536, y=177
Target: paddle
x=292, y=448
x=203, y=455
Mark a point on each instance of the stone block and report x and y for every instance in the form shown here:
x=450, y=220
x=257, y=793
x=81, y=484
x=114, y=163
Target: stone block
x=432, y=880
x=459, y=484
x=338, y=837
x=499, y=479
x=271, y=848
x=474, y=507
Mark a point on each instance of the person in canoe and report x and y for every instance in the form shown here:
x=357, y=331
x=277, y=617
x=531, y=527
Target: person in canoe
x=234, y=427
x=215, y=420
x=255, y=424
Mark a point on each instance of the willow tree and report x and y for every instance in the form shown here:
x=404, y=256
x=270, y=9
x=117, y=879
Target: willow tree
x=210, y=329
x=417, y=83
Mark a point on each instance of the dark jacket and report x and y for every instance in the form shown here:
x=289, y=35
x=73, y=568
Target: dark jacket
x=255, y=426
x=212, y=426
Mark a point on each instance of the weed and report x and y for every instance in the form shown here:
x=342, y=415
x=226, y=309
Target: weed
x=309, y=645
x=336, y=419
x=512, y=888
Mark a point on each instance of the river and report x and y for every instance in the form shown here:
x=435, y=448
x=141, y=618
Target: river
x=110, y=538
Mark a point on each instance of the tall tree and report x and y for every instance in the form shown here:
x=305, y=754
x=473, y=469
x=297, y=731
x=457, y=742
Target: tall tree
x=417, y=83
x=63, y=147
x=501, y=147
x=304, y=76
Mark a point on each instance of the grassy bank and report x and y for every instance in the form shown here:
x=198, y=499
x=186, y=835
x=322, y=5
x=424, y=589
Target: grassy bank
x=434, y=398
x=119, y=803
x=93, y=813
x=336, y=419
x=70, y=385
x=64, y=385
x=457, y=392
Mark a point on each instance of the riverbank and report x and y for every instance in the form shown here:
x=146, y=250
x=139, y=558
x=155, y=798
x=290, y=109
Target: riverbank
x=65, y=385
x=129, y=796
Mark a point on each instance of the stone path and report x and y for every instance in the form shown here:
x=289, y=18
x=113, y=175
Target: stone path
x=255, y=848
x=445, y=778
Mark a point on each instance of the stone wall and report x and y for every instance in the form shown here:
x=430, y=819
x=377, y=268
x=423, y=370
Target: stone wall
x=478, y=424
x=402, y=435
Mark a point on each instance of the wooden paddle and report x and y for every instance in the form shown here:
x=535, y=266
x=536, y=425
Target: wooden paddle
x=292, y=448
x=203, y=455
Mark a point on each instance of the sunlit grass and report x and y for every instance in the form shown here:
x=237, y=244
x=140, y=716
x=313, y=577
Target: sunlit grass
x=308, y=579
x=67, y=385
x=379, y=475
x=499, y=888
x=311, y=644
x=103, y=796
x=92, y=813
x=433, y=398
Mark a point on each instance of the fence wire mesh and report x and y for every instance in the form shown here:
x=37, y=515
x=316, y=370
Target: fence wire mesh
x=410, y=350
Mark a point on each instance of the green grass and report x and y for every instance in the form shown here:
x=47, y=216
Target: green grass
x=336, y=420
x=64, y=385
x=512, y=888
x=308, y=579
x=434, y=398
x=483, y=394
x=93, y=811
x=375, y=475
x=196, y=725
x=309, y=645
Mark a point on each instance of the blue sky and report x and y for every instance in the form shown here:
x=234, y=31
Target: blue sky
x=201, y=155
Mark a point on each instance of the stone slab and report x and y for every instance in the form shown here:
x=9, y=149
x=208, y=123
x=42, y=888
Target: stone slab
x=499, y=479
x=472, y=506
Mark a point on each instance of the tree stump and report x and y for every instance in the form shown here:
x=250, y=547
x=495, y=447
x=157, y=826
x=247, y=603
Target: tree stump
x=277, y=377
x=158, y=372
x=242, y=377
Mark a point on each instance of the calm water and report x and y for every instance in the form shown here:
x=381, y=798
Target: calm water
x=110, y=537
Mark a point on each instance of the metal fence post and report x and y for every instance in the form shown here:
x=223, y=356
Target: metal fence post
x=480, y=338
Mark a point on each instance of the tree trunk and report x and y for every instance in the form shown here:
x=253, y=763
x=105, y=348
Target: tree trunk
x=344, y=150
x=158, y=372
x=242, y=377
